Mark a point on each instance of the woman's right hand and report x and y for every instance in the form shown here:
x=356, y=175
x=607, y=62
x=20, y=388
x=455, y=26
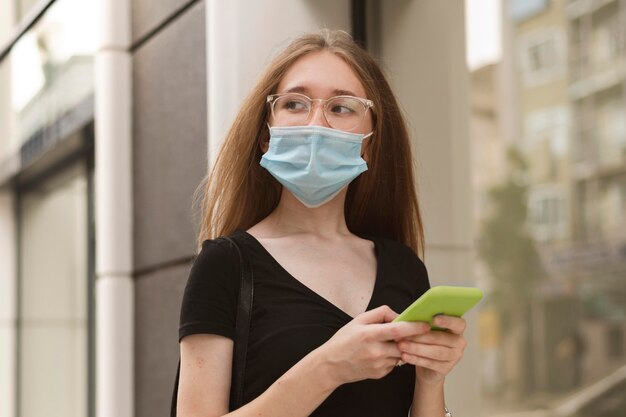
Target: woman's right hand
x=366, y=347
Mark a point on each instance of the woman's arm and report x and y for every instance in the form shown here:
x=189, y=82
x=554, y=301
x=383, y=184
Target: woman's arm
x=434, y=355
x=205, y=377
x=428, y=400
x=205, y=373
x=362, y=349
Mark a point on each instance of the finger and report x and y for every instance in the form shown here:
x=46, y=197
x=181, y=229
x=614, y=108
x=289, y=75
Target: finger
x=437, y=366
x=391, y=364
x=455, y=325
x=384, y=350
x=450, y=340
x=392, y=350
x=435, y=352
x=382, y=314
x=385, y=366
x=397, y=331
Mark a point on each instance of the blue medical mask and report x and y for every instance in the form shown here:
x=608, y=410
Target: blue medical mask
x=313, y=162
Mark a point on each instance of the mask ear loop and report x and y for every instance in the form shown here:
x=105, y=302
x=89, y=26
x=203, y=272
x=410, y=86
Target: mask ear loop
x=269, y=134
x=365, y=137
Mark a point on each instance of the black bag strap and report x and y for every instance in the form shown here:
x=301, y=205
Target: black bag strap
x=242, y=331
x=242, y=328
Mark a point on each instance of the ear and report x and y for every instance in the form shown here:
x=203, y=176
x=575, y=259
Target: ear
x=365, y=148
x=264, y=142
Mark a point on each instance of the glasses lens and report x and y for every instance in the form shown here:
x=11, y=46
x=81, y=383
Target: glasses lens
x=344, y=113
x=291, y=110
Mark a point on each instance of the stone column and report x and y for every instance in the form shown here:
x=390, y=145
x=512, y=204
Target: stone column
x=113, y=212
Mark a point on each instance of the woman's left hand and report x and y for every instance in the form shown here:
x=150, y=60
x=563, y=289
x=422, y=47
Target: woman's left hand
x=435, y=353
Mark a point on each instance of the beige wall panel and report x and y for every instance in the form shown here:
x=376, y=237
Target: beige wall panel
x=423, y=46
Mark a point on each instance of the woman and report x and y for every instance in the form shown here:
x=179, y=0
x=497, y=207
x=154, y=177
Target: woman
x=315, y=184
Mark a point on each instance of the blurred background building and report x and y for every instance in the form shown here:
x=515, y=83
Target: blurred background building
x=550, y=230
x=111, y=111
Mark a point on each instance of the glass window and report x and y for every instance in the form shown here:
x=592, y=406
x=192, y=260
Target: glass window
x=542, y=56
x=53, y=297
x=8, y=303
x=551, y=225
x=7, y=20
x=24, y=7
x=8, y=138
x=47, y=72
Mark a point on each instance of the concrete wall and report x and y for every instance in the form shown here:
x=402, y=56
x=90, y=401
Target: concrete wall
x=422, y=45
x=169, y=137
x=169, y=160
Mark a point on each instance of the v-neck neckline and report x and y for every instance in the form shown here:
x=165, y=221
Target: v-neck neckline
x=281, y=269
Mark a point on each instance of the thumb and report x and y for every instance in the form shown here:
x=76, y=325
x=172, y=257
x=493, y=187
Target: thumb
x=382, y=314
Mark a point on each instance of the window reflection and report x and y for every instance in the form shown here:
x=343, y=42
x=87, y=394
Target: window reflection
x=48, y=71
x=24, y=7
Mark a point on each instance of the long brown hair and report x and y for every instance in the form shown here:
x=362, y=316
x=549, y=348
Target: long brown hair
x=382, y=201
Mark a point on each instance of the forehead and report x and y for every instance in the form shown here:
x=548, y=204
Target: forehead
x=321, y=74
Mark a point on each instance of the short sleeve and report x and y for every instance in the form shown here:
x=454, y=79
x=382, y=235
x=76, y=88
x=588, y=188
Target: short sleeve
x=210, y=297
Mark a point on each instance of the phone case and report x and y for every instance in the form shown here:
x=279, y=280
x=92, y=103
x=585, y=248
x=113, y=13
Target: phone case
x=447, y=300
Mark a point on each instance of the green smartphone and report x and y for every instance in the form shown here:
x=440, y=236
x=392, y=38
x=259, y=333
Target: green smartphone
x=447, y=300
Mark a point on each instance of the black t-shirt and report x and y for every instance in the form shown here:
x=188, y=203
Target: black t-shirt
x=289, y=320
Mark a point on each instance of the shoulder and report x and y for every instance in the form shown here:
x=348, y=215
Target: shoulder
x=397, y=250
x=215, y=253
x=217, y=263
x=210, y=296
x=221, y=250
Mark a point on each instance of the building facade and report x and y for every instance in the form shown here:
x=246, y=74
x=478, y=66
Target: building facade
x=559, y=101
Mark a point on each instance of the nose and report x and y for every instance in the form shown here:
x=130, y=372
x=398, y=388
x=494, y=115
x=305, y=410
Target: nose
x=317, y=118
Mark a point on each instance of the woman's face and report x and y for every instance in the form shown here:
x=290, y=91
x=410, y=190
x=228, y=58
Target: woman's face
x=321, y=75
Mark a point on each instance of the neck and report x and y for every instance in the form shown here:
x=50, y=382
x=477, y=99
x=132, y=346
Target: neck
x=293, y=217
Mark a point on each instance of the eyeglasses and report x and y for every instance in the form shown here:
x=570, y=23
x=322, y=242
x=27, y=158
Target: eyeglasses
x=341, y=112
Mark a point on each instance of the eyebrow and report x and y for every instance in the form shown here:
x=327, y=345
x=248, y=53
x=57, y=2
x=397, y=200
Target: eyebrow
x=303, y=90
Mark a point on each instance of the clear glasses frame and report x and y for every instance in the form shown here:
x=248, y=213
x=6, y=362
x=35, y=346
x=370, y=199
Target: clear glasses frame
x=333, y=120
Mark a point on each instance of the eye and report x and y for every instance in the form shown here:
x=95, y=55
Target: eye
x=344, y=106
x=292, y=104
x=339, y=109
